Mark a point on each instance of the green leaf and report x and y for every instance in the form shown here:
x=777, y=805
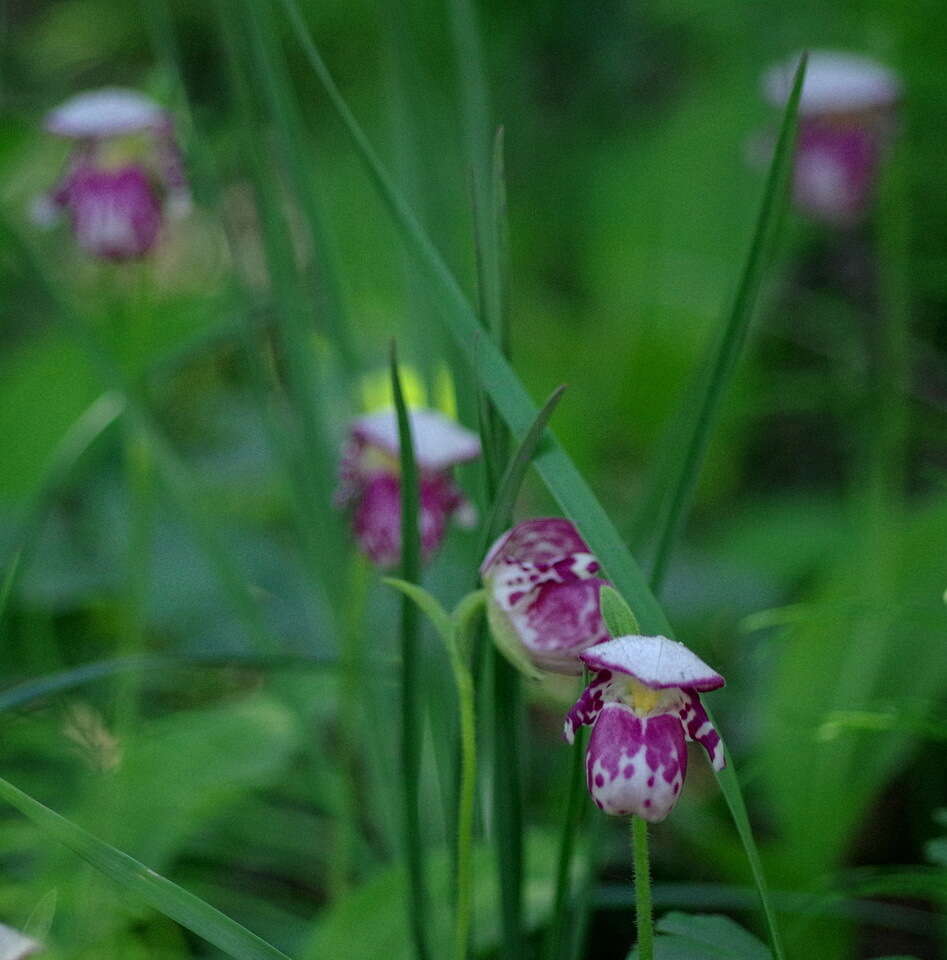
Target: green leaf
x=684, y=936
x=157, y=891
x=619, y=619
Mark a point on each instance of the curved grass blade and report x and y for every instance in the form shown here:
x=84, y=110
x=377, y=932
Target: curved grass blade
x=512, y=402
x=411, y=734
x=157, y=891
x=726, y=352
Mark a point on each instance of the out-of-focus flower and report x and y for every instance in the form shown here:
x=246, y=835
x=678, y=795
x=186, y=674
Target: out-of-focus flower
x=370, y=480
x=15, y=945
x=846, y=116
x=124, y=174
x=643, y=705
x=543, y=594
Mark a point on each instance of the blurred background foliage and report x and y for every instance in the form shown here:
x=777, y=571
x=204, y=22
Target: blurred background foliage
x=170, y=430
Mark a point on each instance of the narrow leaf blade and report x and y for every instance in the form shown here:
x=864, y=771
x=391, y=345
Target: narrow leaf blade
x=157, y=891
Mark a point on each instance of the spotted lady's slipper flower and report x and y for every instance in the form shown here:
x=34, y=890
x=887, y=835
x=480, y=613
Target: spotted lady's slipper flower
x=846, y=117
x=370, y=480
x=124, y=174
x=543, y=595
x=643, y=704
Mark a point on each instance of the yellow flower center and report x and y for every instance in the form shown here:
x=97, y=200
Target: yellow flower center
x=373, y=460
x=642, y=699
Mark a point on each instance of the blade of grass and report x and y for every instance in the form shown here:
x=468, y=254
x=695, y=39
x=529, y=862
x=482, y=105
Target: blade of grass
x=75, y=442
x=509, y=486
x=36, y=688
x=157, y=891
x=695, y=436
x=493, y=370
x=486, y=187
x=411, y=732
x=475, y=120
x=512, y=402
x=505, y=726
x=282, y=107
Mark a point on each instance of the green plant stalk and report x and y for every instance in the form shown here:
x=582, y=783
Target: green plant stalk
x=464, y=620
x=643, y=918
x=465, y=807
x=556, y=937
x=507, y=801
x=557, y=470
x=724, y=357
x=411, y=733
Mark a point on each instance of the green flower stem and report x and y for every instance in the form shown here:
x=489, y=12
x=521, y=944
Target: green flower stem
x=558, y=926
x=465, y=619
x=411, y=733
x=507, y=801
x=643, y=918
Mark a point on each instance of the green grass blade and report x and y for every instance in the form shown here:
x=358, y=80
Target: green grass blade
x=726, y=352
x=75, y=442
x=282, y=106
x=512, y=401
x=496, y=375
x=157, y=891
x=509, y=486
x=27, y=691
x=475, y=121
x=507, y=807
x=411, y=732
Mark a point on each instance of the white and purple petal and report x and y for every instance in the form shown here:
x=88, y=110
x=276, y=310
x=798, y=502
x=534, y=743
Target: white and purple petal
x=543, y=594
x=698, y=727
x=835, y=82
x=636, y=765
x=585, y=710
x=439, y=442
x=115, y=214
x=557, y=621
x=540, y=541
x=111, y=112
x=834, y=172
x=377, y=516
x=657, y=662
